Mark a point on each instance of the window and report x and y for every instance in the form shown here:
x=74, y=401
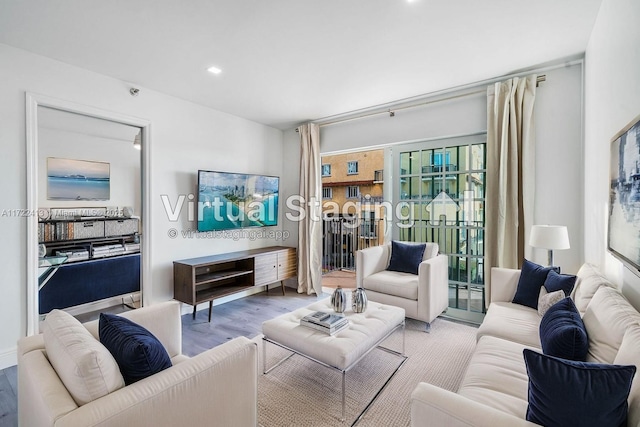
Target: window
x=327, y=193
x=326, y=170
x=352, y=168
x=353, y=192
x=450, y=173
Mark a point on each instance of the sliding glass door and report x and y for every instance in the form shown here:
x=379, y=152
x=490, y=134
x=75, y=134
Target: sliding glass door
x=439, y=194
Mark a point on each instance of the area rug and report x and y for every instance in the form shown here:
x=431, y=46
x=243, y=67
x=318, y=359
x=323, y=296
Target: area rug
x=302, y=393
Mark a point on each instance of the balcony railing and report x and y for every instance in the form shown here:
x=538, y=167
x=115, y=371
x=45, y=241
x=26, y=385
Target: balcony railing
x=342, y=237
x=440, y=168
x=367, y=199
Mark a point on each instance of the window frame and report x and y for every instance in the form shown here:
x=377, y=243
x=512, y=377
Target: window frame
x=352, y=162
x=357, y=189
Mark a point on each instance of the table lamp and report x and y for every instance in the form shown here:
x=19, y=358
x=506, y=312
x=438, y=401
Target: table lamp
x=549, y=237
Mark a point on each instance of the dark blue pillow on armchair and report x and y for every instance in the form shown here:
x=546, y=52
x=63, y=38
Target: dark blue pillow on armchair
x=532, y=277
x=562, y=332
x=405, y=257
x=568, y=393
x=137, y=351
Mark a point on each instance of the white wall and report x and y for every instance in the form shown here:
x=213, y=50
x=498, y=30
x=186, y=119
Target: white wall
x=559, y=172
x=612, y=99
x=123, y=159
x=185, y=137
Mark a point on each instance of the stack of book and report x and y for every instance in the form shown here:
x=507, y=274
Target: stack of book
x=74, y=254
x=325, y=322
x=131, y=248
x=107, y=250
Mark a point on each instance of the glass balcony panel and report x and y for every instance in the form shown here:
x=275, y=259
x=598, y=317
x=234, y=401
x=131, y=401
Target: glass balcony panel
x=477, y=271
x=458, y=297
x=414, y=188
x=477, y=156
x=476, y=299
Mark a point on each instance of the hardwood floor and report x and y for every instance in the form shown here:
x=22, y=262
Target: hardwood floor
x=242, y=317
x=9, y=397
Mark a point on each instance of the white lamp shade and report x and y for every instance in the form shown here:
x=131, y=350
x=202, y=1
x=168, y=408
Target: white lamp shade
x=549, y=237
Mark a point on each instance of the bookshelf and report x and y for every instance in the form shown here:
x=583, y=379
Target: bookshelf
x=102, y=260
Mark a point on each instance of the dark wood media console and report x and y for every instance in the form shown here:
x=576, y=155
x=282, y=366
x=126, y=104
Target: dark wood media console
x=208, y=278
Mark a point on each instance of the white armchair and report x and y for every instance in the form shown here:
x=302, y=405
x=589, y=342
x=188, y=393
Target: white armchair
x=423, y=296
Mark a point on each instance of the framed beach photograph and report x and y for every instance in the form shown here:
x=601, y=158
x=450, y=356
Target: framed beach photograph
x=69, y=179
x=624, y=192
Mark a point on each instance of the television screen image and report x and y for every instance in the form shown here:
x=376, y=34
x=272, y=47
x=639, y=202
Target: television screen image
x=236, y=200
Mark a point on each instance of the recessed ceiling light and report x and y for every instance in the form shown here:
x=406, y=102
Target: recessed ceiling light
x=214, y=70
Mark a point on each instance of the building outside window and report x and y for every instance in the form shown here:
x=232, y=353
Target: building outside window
x=353, y=192
x=352, y=168
x=442, y=184
x=326, y=170
x=327, y=193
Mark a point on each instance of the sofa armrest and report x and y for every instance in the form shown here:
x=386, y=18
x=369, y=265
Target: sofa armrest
x=433, y=287
x=433, y=406
x=219, y=386
x=161, y=319
x=371, y=260
x=504, y=282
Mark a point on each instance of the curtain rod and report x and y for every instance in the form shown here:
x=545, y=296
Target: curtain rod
x=396, y=105
x=391, y=110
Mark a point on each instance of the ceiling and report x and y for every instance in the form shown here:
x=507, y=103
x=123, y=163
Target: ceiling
x=288, y=61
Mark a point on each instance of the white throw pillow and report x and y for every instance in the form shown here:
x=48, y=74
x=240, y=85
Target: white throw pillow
x=85, y=366
x=547, y=299
x=629, y=354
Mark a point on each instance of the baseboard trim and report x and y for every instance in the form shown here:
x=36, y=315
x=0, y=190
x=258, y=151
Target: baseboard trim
x=9, y=358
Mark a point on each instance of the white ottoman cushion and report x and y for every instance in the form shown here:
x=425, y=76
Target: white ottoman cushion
x=344, y=348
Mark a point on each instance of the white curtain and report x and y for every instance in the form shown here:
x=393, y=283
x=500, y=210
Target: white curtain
x=510, y=173
x=310, y=227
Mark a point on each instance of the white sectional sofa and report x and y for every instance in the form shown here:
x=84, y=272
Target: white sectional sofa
x=216, y=387
x=494, y=391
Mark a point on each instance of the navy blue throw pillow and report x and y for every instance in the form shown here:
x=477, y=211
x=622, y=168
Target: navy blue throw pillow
x=568, y=393
x=406, y=258
x=562, y=332
x=137, y=351
x=532, y=277
x=556, y=281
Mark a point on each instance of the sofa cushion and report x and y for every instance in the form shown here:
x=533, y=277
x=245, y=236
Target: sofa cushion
x=607, y=318
x=430, y=250
x=496, y=376
x=511, y=322
x=85, y=367
x=138, y=352
x=403, y=285
x=588, y=281
x=556, y=281
x=532, y=277
x=629, y=354
x=548, y=299
x=570, y=393
x=405, y=257
x=562, y=333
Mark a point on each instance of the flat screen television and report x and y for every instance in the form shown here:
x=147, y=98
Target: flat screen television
x=624, y=192
x=236, y=200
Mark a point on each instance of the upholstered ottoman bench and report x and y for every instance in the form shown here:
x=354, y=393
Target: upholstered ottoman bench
x=341, y=351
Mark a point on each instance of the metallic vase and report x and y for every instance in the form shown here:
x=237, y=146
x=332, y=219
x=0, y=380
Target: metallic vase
x=359, y=300
x=339, y=300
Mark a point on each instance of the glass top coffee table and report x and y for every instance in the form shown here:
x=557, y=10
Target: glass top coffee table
x=341, y=351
